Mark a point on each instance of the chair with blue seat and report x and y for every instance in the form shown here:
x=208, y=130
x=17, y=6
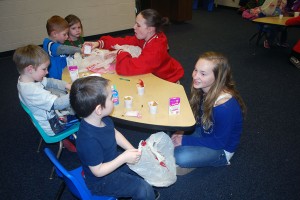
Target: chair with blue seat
x=58, y=138
x=74, y=180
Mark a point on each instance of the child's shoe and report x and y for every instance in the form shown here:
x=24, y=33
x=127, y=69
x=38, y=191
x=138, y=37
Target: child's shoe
x=69, y=145
x=284, y=45
x=295, y=62
x=266, y=44
x=183, y=171
x=157, y=194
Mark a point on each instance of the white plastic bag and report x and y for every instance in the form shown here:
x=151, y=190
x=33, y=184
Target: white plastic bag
x=269, y=6
x=157, y=163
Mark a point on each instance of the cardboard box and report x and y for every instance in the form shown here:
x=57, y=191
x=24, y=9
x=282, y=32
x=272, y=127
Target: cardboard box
x=174, y=106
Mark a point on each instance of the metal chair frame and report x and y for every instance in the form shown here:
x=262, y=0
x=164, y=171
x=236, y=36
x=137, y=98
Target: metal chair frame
x=51, y=139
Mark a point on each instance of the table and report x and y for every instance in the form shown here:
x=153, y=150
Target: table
x=156, y=89
x=266, y=21
x=272, y=20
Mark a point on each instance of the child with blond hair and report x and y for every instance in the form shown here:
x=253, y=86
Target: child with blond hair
x=75, y=31
x=219, y=111
x=35, y=91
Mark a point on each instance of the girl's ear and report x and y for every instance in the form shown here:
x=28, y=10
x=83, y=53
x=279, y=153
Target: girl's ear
x=98, y=110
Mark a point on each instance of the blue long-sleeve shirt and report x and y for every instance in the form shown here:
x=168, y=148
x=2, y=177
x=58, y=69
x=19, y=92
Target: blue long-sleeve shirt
x=226, y=130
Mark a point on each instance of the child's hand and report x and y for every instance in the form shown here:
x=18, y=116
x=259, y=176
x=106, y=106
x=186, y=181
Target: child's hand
x=94, y=45
x=68, y=86
x=132, y=156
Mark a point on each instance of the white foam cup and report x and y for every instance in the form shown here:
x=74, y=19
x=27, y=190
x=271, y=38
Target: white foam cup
x=128, y=101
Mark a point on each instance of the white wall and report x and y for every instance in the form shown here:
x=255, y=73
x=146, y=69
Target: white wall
x=24, y=21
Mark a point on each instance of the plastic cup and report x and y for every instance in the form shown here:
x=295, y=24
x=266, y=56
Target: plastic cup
x=296, y=14
x=280, y=16
x=141, y=90
x=128, y=101
x=153, y=107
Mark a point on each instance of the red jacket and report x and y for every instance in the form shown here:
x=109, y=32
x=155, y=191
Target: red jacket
x=297, y=47
x=294, y=21
x=154, y=57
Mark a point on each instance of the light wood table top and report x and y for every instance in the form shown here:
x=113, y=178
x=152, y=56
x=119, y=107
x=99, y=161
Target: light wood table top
x=272, y=20
x=156, y=89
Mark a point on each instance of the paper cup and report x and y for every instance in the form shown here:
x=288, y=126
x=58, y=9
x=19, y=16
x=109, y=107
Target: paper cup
x=141, y=90
x=128, y=101
x=296, y=14
x=152, y=107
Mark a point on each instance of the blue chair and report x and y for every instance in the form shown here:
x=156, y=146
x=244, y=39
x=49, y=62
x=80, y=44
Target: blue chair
x=209, y=4
x=51, y=139
x=74, y=180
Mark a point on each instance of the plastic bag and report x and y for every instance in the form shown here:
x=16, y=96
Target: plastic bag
x=157, y=163
x=269, y=6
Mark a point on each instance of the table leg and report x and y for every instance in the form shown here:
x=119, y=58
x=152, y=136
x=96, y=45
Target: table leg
x=258, y=36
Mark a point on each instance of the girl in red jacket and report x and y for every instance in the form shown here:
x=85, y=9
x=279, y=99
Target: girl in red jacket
x=154, y=57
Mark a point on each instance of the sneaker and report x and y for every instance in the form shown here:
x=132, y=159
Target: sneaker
x=69, y=145
x=157, y=194
x=284, y=45
x=266, y=44
x=295, y=62
x=183, y=171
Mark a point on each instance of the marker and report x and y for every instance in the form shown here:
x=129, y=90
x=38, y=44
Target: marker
x=124, y=79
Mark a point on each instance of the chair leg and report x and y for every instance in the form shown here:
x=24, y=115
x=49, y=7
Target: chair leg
x=39, y=147
x=60, y=190
x=57, y=156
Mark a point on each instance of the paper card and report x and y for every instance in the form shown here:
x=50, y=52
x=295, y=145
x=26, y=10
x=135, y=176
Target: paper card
x=174, y=106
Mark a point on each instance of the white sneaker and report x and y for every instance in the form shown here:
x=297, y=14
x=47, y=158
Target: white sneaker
x=183, y=171
x=295, y=62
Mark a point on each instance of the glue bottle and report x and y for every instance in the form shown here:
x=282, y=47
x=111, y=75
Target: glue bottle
x=115, y=95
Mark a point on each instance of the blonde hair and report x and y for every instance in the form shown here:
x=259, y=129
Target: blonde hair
x=56, y=23
x=223, y=83
x=29, y=55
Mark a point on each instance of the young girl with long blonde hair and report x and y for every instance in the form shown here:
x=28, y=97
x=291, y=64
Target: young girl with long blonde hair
x=219, y=111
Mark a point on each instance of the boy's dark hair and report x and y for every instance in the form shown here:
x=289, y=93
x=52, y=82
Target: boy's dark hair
x=87, y=93
x=29, y=55
x=56, y=23
x=154, y=19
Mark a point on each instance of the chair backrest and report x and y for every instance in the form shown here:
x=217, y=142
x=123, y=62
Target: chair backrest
x=50, y=139
x=75, y=184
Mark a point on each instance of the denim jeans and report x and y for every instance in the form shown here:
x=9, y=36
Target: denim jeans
x=199, y=156
x=123, y=182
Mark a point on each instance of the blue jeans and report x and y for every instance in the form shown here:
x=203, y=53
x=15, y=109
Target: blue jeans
x=199, y=156
x=123, y=182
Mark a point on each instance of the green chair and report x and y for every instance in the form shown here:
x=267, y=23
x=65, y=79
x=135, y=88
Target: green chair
x=51, y=139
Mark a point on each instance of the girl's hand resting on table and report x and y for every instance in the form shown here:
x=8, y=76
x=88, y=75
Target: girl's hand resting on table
x=132, y=156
